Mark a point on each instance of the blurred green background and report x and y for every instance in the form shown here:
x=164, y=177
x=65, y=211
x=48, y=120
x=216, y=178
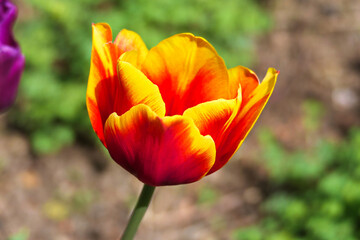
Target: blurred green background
x=297, y=177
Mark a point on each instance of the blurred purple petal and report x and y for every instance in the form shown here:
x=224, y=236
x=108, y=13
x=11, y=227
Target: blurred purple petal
x=11, y=60
x=11, y=67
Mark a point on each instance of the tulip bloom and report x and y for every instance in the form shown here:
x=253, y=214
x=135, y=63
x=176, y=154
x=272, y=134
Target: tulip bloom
x=11, y=60
x=172, y=114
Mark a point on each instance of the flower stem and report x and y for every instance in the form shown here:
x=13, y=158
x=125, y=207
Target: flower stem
x=138, y=212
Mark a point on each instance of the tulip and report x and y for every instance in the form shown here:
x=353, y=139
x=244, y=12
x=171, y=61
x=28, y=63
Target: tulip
x=172, y=114
x=11, y=60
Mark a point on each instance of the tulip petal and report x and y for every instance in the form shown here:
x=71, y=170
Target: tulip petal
x=107, y=91
x=131, y=57
x=135, y=89
x=245, y=77
x=229, y=121
x=11, y=67
x=102, y=69
x=188, y=71
x=99, y=71
x=211, y=117
x=8, y=14
x=159, y=151
x=128, y=41
x=131, y=88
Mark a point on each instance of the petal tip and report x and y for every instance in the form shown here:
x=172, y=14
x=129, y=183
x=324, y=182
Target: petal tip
x=101, y=27
x=273, y=71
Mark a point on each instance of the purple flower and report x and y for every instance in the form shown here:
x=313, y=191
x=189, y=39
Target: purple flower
x=11, y=60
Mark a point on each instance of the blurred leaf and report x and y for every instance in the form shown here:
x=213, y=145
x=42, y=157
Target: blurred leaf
x=281, y=235
x=303, y=168
x=51, y=140
x=274, y=156
x=251, y=233
x=316, y=190
x=313, y=112
x=351, y=192
x=332, y=208
x=20, y=235
x=332, y=184
x=325, y=229
x=292, y=210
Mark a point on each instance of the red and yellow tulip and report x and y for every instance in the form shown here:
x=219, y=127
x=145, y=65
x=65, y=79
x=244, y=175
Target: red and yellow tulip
x=172, y=114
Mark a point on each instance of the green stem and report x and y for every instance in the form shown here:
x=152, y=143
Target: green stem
x=138, y=212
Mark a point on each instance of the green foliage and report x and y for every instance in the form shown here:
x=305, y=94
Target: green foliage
x=313, y=111
x=55, y=37
x=298, y=168
x=251, y=233
x=48, y=140
x=317, y=192
x=23, y=234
